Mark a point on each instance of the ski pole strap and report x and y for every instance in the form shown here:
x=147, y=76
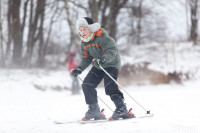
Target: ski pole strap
x=148, y=112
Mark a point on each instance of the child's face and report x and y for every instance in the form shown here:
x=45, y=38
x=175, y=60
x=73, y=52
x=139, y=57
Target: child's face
x=84, y=31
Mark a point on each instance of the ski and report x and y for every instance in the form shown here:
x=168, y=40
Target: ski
x=102, y=121
x=108, y=120
x=64, y=122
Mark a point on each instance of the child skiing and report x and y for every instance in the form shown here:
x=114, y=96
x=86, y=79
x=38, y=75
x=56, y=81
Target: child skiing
x=98, y=48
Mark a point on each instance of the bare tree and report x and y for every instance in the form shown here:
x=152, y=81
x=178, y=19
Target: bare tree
x=139, y=25
x=187, y=19
x=94, y=6
x=34, y=34
x=144, y=24
x=2, y=59
x=74, y=39
x=194, y=20
x=16, y=32
x=9, y=41
x=52, y=20
x=137, y=14
x=40, y=34
x=114, y=8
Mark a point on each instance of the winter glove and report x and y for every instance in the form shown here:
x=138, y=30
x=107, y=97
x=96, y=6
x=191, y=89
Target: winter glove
x=76, y=71
x=98, y=61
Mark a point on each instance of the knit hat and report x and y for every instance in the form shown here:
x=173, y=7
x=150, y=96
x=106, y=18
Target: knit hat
x=85, y=21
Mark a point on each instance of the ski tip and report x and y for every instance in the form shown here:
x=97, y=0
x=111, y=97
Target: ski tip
x=111, y=118
x=84, y=119
x=102, y=114
x=131, y=115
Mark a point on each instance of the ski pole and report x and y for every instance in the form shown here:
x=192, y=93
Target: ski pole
x=148, y=111
x=97, y=96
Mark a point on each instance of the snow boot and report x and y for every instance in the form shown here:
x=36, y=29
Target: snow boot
x=94, y=113
x=121, y=110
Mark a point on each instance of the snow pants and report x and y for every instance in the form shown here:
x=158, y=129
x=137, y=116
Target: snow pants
x=94, y=77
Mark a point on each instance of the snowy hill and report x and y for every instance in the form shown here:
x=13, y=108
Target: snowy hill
x=27, y=109
x=166, y=57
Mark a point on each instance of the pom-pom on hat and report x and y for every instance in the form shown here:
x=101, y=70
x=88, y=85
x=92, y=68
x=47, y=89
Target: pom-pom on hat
x=88, y=22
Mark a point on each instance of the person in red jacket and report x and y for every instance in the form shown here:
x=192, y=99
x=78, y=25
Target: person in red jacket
x=71, y=64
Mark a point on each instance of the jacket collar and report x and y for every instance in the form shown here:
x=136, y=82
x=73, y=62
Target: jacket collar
x=97, y=33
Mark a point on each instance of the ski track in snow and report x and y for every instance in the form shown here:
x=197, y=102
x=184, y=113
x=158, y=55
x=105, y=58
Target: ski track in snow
x=25, y=109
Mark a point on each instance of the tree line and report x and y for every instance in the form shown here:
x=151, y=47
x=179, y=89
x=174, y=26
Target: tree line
x=26, y=26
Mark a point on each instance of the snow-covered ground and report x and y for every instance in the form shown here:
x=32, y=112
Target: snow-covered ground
x=31, y=100
x=25, y=109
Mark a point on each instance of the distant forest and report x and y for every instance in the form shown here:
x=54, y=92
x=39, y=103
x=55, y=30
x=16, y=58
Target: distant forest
x=26, y=26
